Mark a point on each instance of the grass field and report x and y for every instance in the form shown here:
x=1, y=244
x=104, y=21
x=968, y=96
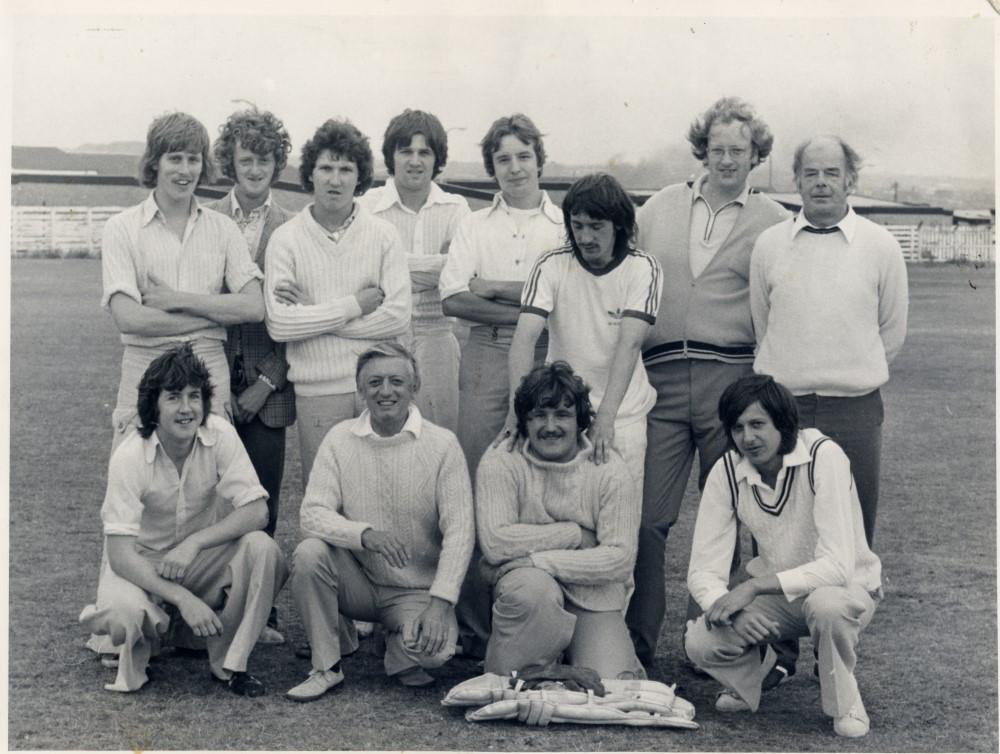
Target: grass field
x=928, y=662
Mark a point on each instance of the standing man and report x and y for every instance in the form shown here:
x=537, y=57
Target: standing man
x=558, y=534
x=701, y=233
x=490, y=257
x=252, y=150
x=829, y=296
x=389, y=528
x=598, y=296
x=415, y=148
x=335, y=283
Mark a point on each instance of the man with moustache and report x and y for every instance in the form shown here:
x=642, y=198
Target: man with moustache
x=389, y=529
x=829, y=296
x=558, y=535
x=415, y=148
x=701, y=233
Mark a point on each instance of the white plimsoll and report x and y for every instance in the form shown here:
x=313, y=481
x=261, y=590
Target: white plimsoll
x=638, y=703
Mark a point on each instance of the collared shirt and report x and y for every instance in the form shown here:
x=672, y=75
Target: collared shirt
x=362, y=426
x=147, y=498
x=137, y=246
x=846, y=225
x=426, y=235
x=489, y=245
x=337, y=233
x=251, y=224
x=808, y=528
x=829, y=307
x=710, y=228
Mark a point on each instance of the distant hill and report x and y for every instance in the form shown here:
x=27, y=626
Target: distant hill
x=115, y=147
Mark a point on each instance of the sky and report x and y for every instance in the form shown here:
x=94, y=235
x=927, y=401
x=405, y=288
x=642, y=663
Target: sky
x=913, y=90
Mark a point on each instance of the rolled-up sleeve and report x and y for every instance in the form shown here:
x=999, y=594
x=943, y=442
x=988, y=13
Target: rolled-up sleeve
x=118, y=270
x=462, y=265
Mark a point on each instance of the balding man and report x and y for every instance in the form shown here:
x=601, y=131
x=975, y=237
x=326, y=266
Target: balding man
x=829, y=300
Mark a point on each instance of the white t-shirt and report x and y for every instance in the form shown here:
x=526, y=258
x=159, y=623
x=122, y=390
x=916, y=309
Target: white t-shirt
x=584, y=309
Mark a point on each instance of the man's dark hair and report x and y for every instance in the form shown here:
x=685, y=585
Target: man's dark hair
x=174, y=370
x=518, y=125
x=551, y=386
x=404, y=127
x=602, y=197
x=774, y=398
x=260, y=132
x=345, y=141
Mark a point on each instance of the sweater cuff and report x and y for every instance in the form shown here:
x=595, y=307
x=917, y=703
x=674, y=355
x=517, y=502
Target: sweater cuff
x=352, y=531
x=447, y=592
x=793, y=584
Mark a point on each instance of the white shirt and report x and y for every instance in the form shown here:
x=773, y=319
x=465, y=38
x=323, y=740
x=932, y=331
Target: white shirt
x=489, y=245
x=584, y=311
x=426, y=236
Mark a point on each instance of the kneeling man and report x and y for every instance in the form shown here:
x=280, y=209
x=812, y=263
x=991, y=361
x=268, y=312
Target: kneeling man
x=558, y=535
x=167, y=539
x=389, y=530
x=815, y=574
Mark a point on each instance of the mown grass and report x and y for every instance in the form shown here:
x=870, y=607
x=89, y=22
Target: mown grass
x=928, y=662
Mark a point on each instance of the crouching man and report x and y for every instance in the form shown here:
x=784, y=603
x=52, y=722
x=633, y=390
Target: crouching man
x=181, y=515
x=389, y=528
x=558, y=535
x=815, y=574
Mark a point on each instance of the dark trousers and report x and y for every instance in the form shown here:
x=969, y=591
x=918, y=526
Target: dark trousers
x=855, y=424
x=683, y=421
x=266, y=447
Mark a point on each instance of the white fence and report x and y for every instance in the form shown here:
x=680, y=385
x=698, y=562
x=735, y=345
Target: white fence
x=58, y=231
x=76, y=231
x=946, y=243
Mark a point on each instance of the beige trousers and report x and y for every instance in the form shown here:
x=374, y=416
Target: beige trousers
x=833, y=616
x=238, y=579
x=328, y=582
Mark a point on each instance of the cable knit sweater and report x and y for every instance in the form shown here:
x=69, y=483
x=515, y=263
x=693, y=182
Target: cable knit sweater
x=535, y=509
x=414, y=484
x=326, y=336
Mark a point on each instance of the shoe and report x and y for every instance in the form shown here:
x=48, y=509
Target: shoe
x=415, y=677
x=109, y=660
x=243, y=684
x=270, y=635
x=778, y=675
x=317, y=684
x=364, y=628
x=729, y=701
x=855, y=723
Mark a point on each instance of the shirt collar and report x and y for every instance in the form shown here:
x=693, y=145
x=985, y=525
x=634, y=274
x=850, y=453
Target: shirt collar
x=696, y=193
x=414, y=423
x=583, y=453
x=547, y=207
x=237, y=211
x=390, y=196
x=150, y=209
x=797, y=457
x=204, y=435
x=847, y=224
x=338, y=233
